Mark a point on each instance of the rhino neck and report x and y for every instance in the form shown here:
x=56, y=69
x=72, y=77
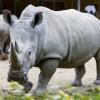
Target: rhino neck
x=40, y=38
x=40, y=35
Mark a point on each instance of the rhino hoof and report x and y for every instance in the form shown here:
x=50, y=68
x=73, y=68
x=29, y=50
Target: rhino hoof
x=97, y=82
x=77, y=83
x=28, y=86
x=39, y=92
x=8, y=79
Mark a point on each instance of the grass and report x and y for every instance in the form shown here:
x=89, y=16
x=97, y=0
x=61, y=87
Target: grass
x=16, y=93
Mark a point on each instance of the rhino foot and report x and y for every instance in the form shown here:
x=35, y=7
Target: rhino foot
x=40, y=91
x=77, y=83
x=28, y=86
x=97, y=82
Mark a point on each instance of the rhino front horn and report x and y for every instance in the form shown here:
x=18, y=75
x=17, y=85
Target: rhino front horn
x=13, y=58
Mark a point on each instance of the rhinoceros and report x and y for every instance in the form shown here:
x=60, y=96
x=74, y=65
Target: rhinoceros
x=50, y=40
x=4, y=34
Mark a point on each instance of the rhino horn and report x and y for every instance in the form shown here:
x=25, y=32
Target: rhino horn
x=13, y=58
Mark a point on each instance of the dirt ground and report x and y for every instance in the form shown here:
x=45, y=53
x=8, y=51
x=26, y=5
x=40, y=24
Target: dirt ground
x=60, y=78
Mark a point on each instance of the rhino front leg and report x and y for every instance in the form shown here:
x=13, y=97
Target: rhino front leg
x=97, y=57
x=79, y=71
x=48, y=68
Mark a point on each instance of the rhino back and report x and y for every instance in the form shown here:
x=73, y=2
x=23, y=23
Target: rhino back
x=70, y=35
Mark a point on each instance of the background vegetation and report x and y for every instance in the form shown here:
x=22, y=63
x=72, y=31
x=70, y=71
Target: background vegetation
x=16, y=92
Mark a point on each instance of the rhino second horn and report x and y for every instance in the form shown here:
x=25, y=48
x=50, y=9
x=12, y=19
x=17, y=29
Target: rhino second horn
x=13, y=58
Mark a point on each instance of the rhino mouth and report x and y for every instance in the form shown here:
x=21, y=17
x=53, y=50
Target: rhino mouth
x=20, y=78
x=17, y=75
x=18, y=72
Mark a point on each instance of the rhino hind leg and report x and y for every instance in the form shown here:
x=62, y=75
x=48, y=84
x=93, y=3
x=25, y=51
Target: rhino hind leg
x=48, y=68
x=97, y=58
x=79, y=71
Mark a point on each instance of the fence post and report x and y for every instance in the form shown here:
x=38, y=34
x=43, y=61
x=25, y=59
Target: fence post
x=78, y=5
x=0, y=6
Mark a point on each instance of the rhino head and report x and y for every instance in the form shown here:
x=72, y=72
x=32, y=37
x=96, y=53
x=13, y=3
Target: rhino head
x=23, y=47
x=4, y=34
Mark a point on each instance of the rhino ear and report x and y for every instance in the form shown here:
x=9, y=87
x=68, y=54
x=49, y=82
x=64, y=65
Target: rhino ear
x=37, y=19
x=13, y=19
x=7, y=16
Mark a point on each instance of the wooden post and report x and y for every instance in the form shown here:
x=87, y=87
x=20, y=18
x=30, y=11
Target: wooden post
x=65, y=4
x=41, y=2
x=14, y=6
x=54, y=5
x=1, y=6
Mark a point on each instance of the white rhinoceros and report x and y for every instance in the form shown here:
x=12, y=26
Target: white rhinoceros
x=4, y=34
x=52, y=39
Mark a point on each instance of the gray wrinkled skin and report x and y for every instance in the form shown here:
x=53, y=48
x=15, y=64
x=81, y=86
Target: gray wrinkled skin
x=54, y=39
x=5, y=35
x=4, y=32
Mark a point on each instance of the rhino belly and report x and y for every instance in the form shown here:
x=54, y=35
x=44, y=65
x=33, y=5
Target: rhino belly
x=75, y=62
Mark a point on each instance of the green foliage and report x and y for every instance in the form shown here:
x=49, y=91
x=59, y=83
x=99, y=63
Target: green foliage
x=17, y=93
x=15, y=85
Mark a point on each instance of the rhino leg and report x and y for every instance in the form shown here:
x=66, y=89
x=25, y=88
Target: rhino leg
x=6, y=45
x=48, y=68
x=1, y=48
x=6, y=48
x=97, y=57
x=79, y=71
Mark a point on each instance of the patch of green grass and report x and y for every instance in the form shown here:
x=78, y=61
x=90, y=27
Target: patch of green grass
x=59, y=96
x=92, y=93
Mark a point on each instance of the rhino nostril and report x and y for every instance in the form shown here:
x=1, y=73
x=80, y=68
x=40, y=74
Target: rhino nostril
x=29, y=52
